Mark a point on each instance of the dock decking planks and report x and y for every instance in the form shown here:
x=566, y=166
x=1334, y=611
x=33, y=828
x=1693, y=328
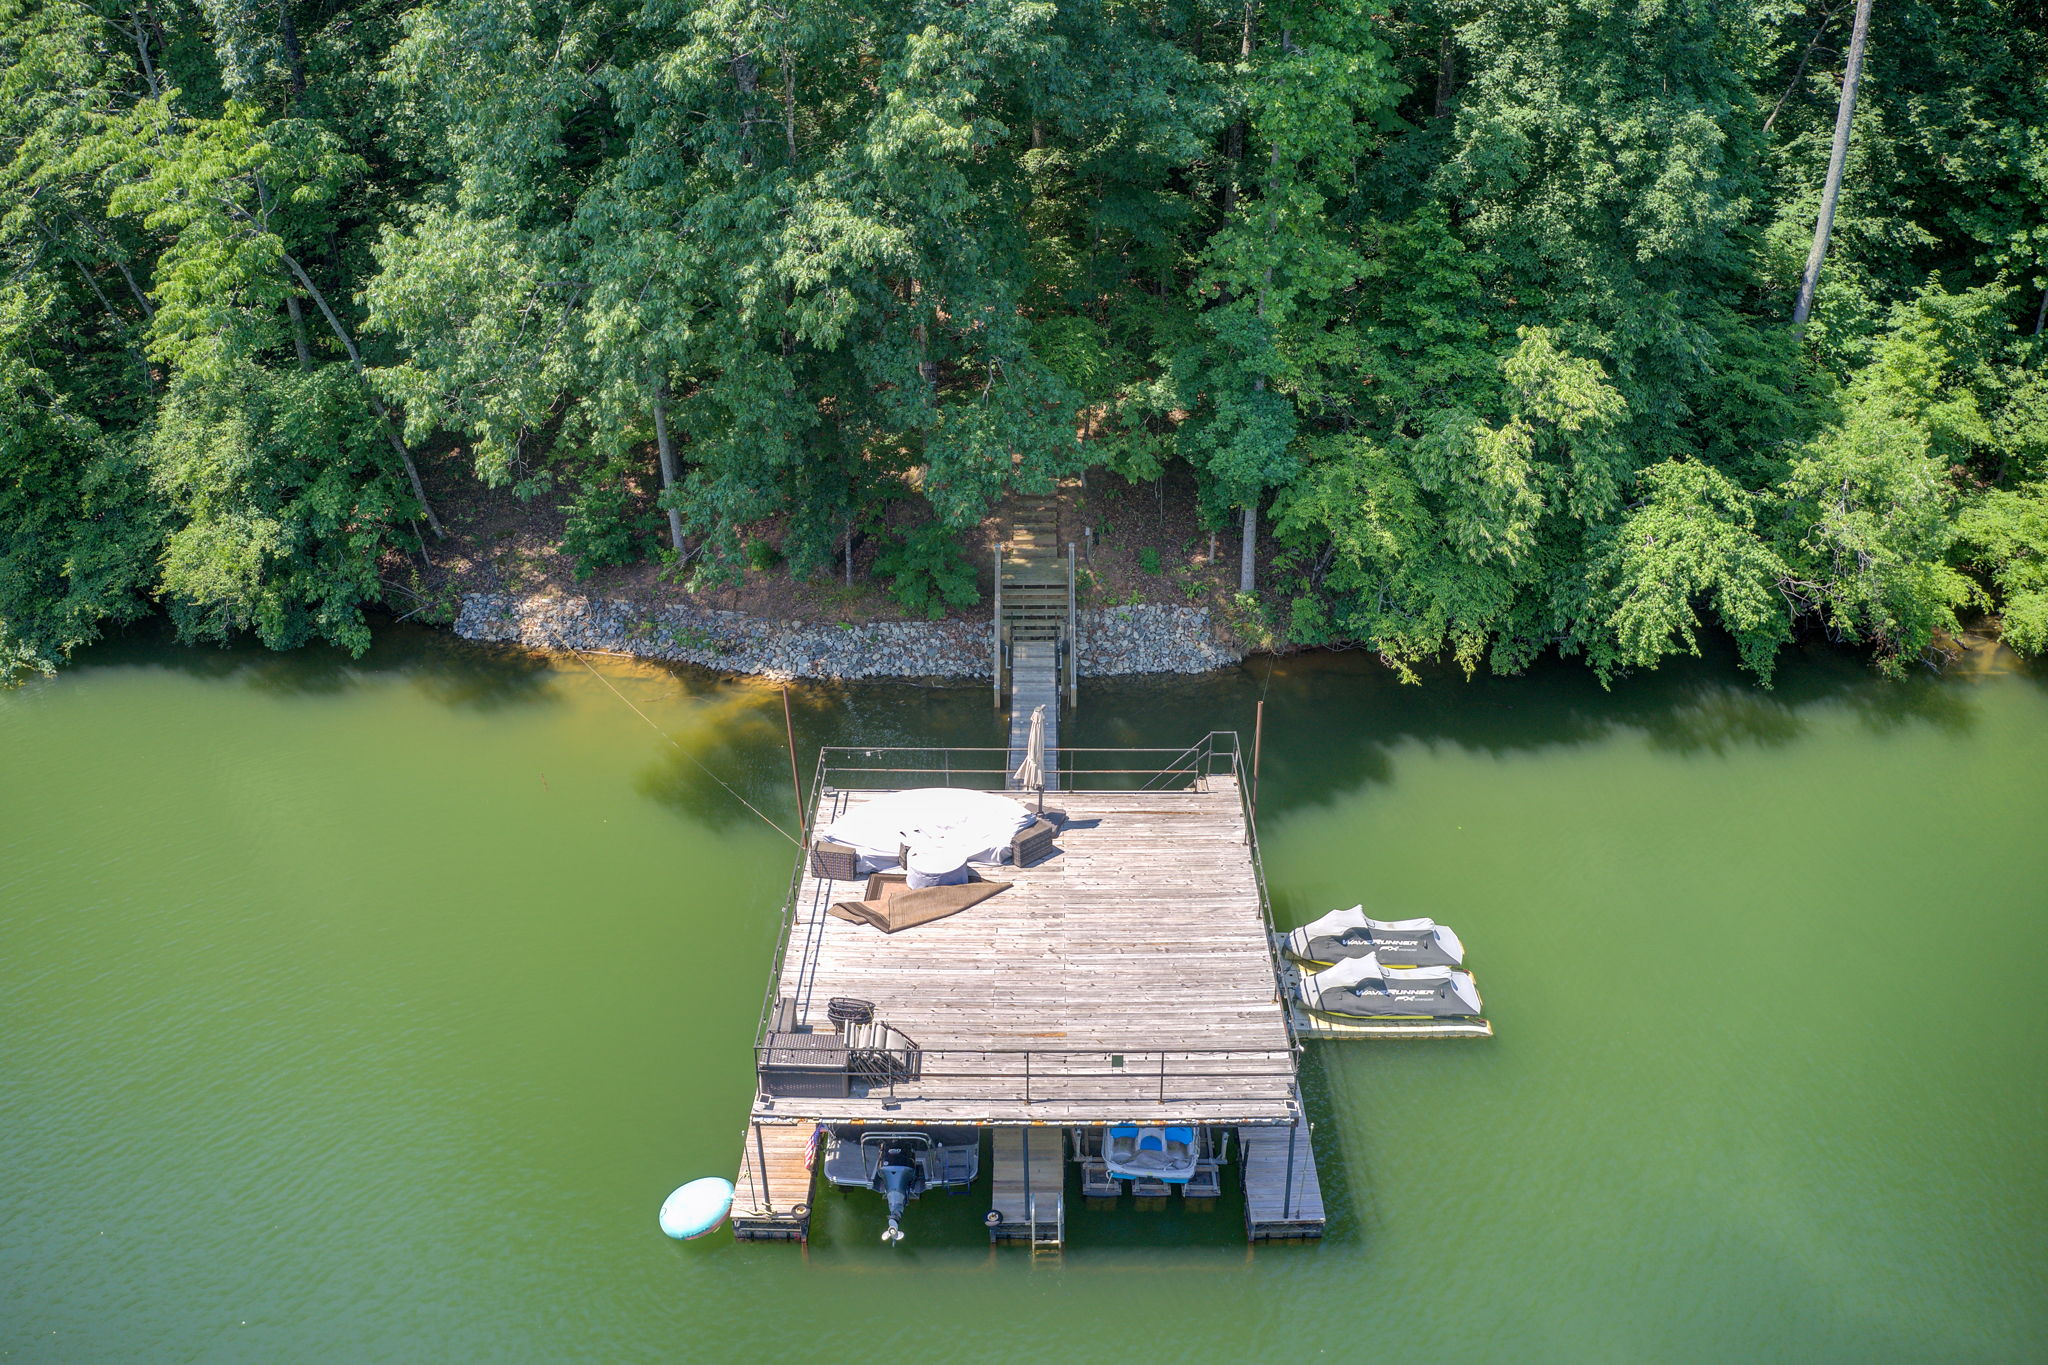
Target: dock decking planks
x=771, y=1199
x=1142, y=940
x=1283, y=1201
x=1028, y=1194
x=1034, y=682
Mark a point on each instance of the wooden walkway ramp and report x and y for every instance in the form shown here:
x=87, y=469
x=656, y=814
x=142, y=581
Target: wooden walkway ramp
x=1030, y=1184
x=1283, y=1198
x=1036, y=627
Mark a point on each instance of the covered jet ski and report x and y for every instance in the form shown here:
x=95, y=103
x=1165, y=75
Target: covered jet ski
x=1345, y=934
x=1361, y=988
x=1134, y=1153
x=902, y=1164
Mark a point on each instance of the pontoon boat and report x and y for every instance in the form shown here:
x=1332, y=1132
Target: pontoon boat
x=901, y=1164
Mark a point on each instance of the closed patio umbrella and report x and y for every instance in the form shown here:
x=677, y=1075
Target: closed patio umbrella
x=1031, y=772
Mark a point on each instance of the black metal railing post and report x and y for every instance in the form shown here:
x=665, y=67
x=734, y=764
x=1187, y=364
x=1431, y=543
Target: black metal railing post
x=1287, y=1195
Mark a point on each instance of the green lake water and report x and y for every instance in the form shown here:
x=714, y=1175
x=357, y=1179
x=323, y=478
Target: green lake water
x=366, y=1011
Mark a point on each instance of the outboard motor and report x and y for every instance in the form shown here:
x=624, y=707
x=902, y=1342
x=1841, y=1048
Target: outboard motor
x=897, y=1178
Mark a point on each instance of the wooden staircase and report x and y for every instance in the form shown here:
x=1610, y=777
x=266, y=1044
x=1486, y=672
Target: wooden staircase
x=1036, y=646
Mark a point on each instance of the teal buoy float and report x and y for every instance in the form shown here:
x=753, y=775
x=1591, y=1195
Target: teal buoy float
x=696, y=1208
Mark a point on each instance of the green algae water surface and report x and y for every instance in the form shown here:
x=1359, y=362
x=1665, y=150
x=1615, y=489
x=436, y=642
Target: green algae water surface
x=366, y=1012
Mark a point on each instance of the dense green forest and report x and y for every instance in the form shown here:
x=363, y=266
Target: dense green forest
x=1477, y=318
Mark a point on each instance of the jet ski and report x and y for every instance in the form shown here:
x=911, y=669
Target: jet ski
x=1360, y=988
x=1134, y=1153
x=1345, y=934
x=901, y=1164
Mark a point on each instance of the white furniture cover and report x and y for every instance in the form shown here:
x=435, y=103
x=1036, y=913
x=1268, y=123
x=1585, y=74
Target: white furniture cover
x=950, y=822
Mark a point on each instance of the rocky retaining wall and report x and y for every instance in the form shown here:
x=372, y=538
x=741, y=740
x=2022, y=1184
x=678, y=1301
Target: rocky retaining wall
x=1141, y=639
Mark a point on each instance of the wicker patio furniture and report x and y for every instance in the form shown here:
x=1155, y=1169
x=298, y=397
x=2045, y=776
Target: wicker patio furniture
x=1034, y=841
x=838, y=861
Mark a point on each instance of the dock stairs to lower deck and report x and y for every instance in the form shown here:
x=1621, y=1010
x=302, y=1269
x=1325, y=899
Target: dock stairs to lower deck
x=1037, y=645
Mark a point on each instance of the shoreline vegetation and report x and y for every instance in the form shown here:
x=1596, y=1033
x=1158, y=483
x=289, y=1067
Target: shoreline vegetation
x=1465, y=334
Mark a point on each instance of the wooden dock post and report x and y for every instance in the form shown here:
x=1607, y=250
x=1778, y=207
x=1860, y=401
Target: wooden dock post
x=796, y=783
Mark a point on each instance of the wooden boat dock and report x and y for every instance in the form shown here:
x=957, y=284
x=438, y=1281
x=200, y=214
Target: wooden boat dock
x=1125, y=977
x=1283, y=1199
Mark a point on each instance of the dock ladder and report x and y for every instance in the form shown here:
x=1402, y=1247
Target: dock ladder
x=1029, y=1189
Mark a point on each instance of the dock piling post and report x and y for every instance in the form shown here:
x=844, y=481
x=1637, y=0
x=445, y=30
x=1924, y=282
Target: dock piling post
x=796, y=784
x=1258, y=742
x=1287, y=1187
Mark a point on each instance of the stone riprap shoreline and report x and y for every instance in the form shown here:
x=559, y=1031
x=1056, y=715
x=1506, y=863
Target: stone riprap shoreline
x=1114, y=640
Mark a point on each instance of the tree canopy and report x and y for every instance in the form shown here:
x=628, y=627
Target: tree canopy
x=1474, y=320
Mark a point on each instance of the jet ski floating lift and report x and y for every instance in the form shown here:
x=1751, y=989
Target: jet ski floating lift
x=1359, y=998
x=1345, y=934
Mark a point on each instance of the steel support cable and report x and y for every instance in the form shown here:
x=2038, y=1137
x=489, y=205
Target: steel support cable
x=680, y=749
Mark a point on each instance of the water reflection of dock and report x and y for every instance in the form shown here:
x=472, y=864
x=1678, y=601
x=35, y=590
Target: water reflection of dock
x=1127, y=977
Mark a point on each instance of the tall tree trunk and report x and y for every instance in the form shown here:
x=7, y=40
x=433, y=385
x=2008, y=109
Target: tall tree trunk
x=141, y=299
x=667, y=451
x=99, y=293
x=1799, y=72
x=1845, y=114
x=1446, y=75
x=1248, y=552
x=140, y=34
x=355, y=360
x=113, y=314
x=288, y=34
x=789, y=108
x=2041, y=316
x=298, y=315
x=746, y=78
x=1233, y=140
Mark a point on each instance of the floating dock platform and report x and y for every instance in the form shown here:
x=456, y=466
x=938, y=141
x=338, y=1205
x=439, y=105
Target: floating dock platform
x=1283, y=1199
x=1028, y=1199
x=1126, y=977
x=1310, y=1023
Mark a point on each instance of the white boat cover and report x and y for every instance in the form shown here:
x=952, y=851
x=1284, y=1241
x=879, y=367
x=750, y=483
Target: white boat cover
x=1162, y=1153
x=1360, y=986
x=975, y=825
x=1344, y=934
